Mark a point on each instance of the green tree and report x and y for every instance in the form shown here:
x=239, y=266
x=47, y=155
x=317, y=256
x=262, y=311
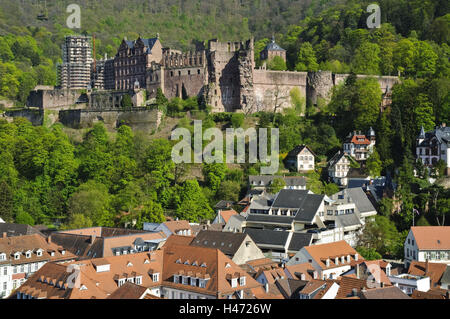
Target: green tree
x=306, y=59
x=374, y=164
x=237, y=120
x=7, y=202
x=277, y=185
x=368, y=253
x=193, y=205
x=277, y=63
x=229, y=190
x=367, y=59
x=126, y=101
x=24, y=218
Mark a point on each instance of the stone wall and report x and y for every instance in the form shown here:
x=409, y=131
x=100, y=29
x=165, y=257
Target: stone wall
x=56, y=99
x=138, y=119
x=36, y=117
x=272, y=88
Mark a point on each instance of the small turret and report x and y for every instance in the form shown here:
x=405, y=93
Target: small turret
x=421, y=137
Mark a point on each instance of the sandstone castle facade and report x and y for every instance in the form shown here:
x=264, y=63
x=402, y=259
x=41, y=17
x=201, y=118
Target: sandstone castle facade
x=221, y=74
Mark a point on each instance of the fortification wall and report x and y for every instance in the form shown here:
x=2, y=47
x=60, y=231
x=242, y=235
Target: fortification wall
x=56, y=99
x=193, y=79
x=36, y=117
x=139, y=120
x=273, y=88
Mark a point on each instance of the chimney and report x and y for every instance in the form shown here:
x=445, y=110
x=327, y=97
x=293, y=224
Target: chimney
x=93, y=237
x=5, y=235
x=358, y=271
x=426, y=267
x=49, y=239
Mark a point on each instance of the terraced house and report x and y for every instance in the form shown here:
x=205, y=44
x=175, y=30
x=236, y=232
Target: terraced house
x=22, y=256
x=173, y=272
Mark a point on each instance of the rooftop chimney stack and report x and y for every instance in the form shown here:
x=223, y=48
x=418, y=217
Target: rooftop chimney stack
x=5, y=235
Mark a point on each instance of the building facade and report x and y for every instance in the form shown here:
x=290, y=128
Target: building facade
x=434, y=146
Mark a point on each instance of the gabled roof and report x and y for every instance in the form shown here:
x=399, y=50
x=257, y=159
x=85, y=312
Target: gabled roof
x=295, y=271
x=226, y=214
x=177, y=225
x=272, y=46
x=347, y=286
x=433, y=270
x=441, y=134
x=128, y=291
x=227, y=242
x=391, y=292
x=298, y=149
x=432, y=237
x=290, y=287
x=336, y=158
x=224, y=204
x=148, y=43
x=267, y=237
x=299, y=240
x=320, y=253
x=290, y=198
x=21, y=244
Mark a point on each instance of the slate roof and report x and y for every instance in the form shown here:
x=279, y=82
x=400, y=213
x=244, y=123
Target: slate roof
x=274, y=219
x=224, y=204
x=265, y=180
x=360, y=199
x=227, y=242
x=442, y=134
x=267, y=237
x=149, y=43
x=347, y=220
x=290, y=198
x=272, y=46
x=298, y=149
x=290, y=287
x=446, y=276
x=309, y=208
x=299, y=240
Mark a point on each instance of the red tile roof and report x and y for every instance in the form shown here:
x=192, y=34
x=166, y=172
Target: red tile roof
x=432, y=237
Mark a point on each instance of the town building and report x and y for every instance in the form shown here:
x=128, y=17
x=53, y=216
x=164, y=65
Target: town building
x=338, y=168
x=99, y=242
x=223, y=216
x=434, y=146
x=319, y=289
x=301, y=159
x=408, y=283
x=263, y=182
x=173, y=272
x=174, y=227
x=271, y=50
x=75, y=70
x=22, y=256
x=435, y=271
x=239, y=247
x=428, y=243
x=330, y=260
x=360, y=146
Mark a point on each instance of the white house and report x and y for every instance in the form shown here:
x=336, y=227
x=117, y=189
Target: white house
x=408, y=283
x=301, y=159
x=177, y=227
x=330, y=260
x=360, y=146
x=338, y=168
x=434, y=146
x=430, y=243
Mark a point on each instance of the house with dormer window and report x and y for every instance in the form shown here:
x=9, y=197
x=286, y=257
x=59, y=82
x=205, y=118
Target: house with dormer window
x=22, y=256
x=329, y=260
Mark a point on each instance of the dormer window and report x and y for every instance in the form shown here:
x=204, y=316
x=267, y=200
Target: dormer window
x=2, y=257
x=139, y=280
x=17, y=256
x=233, y=282
x=202, y=283
x=348, y=258
x=242, y=281
x=28, y=254
x=204, y=265
x=176, y=279
x=155, y=277
x=185, y=280
x=328, y=262
x=343, y=260
x=336, y=261
x=121, y=282
x=193, y=281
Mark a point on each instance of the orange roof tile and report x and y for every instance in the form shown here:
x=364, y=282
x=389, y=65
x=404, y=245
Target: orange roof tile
x=226, y=214
x=432, y=237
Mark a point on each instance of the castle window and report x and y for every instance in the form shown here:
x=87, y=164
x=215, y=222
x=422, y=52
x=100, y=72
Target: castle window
x=189, y=72
x=198, y=71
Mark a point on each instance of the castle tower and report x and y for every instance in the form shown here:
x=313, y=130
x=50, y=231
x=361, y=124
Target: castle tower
x=75, y=70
